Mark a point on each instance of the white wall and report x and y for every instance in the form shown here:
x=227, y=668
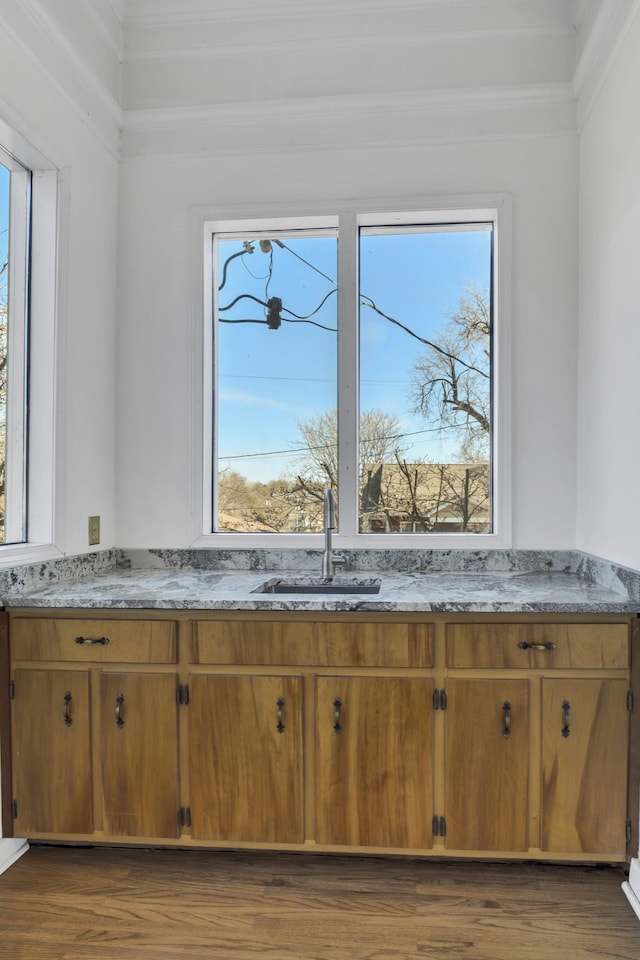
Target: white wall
x=160, y=302
x=243, y=127
x=248, y=103
x=66, y=110
x=609, y=341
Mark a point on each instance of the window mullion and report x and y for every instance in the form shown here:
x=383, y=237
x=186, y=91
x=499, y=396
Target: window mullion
x=348, y=399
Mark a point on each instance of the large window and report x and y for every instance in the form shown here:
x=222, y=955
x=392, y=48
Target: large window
x=358, y=353
x=15, y=192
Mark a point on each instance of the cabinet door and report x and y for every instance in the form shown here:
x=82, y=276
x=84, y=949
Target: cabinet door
x=52, y=752
x=487, y=764
x=246, y=765
x=139, y=739
x=585, y=730
x=374, y=761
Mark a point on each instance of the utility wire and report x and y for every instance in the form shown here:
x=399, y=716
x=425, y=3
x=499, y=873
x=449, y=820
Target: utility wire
x=233, y=256
x=329, y=446
x=285, y=247
x=313, y=323
x=368, y=302
x=313, y=312
x=364, y=301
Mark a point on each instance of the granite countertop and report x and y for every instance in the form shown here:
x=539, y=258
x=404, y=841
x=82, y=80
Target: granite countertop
x=443, y=591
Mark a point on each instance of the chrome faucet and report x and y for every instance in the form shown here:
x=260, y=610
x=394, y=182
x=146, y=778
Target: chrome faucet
x=328, y=557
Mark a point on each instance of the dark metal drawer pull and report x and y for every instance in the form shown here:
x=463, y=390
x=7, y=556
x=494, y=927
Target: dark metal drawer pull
x=103, y=641
x=506, y=730
x=536, y=646
x=566, y=716
x=119, y=717
x=280, y=715
x=68, y=719
x=337, y=722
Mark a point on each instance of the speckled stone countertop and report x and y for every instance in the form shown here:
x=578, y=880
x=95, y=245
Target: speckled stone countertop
x=429, y=581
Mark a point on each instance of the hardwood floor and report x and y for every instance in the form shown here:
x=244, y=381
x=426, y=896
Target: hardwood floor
x=117, y=904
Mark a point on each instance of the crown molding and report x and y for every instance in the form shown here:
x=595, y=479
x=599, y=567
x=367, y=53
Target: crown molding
x=108, y=16
x=351, y=121
x=158, y=13
x=49, y=50
x=204, y=47
x=610, y=28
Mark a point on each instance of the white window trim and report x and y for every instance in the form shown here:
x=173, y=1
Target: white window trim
x=207, y=220
x=42, y=491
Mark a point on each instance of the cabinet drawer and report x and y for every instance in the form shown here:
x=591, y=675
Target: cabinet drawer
x=251, y=642
x=98, y=641
x=376, y=644
x=538, y=645
x=330, y=644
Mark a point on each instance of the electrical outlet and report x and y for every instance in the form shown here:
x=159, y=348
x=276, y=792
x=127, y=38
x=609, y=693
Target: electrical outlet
x=94, y=530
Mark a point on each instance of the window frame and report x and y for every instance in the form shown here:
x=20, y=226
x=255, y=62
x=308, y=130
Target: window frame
x=39, y=348
x=495, y=209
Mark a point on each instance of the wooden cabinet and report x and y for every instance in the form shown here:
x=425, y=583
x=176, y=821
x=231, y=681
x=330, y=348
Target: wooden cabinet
x=439, y=735
x=555, y=777
x=585, y=728
x=245, y=758
x=374, y=761
x=487, y=764
x=138, y=751
x=94, y=739
x=51, y=752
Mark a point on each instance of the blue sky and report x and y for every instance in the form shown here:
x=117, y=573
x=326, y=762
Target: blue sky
x=271, y=379
x=4, y=217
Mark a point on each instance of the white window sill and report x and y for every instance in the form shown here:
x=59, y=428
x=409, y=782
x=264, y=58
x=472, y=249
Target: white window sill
x=315, y=541
x=19, y=554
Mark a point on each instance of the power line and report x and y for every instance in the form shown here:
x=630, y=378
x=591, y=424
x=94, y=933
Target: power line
x=365, y=301
x=249, y=376
x=329, y=446
x=285, y=247
x=266, y=323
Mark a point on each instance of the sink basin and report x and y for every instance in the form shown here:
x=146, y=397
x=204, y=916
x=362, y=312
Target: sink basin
x=320, y=585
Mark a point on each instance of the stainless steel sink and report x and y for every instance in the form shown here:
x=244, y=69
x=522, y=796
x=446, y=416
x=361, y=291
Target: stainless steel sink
x=320, y=585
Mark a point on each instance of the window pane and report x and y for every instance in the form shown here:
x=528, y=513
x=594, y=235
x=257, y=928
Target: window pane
x=275, y=355
x=425, y=379
x=5, y=194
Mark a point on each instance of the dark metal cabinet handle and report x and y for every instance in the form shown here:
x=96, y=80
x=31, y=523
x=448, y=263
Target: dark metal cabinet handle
x=506, y=730
x=280, y=715
x=68, y=719
x=119, y=704
x=88, y=641
x=337, y=722
x=536, y=646
x=566, y=716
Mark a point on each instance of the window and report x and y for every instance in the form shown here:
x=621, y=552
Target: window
x=358, y=353
x=15, y=215
x=29, y=190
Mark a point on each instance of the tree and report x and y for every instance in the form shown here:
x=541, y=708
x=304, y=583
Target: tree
x=393, y=492
x=451, y=382
x=250, y=507
x=379, y=436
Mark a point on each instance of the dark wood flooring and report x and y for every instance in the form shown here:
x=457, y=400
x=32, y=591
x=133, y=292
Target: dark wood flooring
x=61, y=903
